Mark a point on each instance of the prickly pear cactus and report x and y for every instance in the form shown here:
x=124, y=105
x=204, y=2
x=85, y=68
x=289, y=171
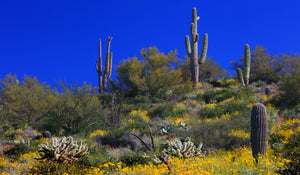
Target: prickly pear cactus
x=184, y=148
x=63, y=149
x=259, y=128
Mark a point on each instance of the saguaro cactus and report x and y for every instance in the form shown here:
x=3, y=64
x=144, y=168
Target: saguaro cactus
x=247, y=60
x=192, y=52
x=259, y=128
x=103, y=76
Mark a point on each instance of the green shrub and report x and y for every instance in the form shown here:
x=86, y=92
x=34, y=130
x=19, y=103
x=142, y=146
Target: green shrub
x=98, y=155
x=114, y=138
x=162, y=110
x=133, y=159
x=291, y=151
x=222, y=109
x=77, y=109
x=51, y=167
x=17, y=150
x=215, y=133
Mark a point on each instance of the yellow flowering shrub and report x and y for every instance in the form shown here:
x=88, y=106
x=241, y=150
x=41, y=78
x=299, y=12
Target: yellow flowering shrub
x=239, y=133
x=96, y=133
x=140, y=113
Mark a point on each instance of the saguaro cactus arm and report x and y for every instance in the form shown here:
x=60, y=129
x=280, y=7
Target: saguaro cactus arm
x=99, y=67
x=187, y=45
x=204, y=49
x=240, y=76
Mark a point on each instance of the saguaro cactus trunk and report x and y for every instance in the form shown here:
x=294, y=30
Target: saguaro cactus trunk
x=259, y=128
x=103, y=76
x=247, y=60
x=192, y=52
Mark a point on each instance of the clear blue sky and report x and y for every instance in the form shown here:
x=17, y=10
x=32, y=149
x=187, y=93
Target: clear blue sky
x=58, y=40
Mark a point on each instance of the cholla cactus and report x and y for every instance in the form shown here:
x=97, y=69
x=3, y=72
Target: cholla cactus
x=156, y=160
x=63, y=149
x=183, y=148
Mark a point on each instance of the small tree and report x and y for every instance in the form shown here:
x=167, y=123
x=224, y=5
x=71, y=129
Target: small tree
x=26, y=100
x=152, y=76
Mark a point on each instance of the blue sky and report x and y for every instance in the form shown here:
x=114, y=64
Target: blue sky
x=58, y=40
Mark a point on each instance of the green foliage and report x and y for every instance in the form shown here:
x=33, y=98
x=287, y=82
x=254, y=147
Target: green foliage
x=56, y=168
x=290, y=85
x=289, y=149
x=26, y=100
x=163, y=110
x=17, y=150
x=215, y=133
x=270, y=68
x=222, y=109
x=218, y=95
x=152, y=76
x=133, y=159
x=77, y=110
x=210, y=70
x=114, y=138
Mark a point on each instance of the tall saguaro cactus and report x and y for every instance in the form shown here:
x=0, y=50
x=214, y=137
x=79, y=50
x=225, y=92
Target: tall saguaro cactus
x=246, y=62
x=103, y=76
x=259, y=128
x=192, y=52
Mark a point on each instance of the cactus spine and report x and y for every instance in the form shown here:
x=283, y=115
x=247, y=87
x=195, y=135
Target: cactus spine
x=192, y=52
x=247, y=60
x=103, y=76
x=259, y=128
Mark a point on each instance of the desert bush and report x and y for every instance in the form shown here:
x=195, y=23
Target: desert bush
x=16, y=150
x=152, y=76
x=57, y=168
x=163, y=110
x=26, y=100
x=98, y=155
x=293, y=113
x=284, y=140
x=290, y=85
x=213, y=111
x=77, y=110
x=133, y=159
x=114, y=138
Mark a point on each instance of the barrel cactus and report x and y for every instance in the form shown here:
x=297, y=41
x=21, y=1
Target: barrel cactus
x=259, y=128
x=268, y=91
